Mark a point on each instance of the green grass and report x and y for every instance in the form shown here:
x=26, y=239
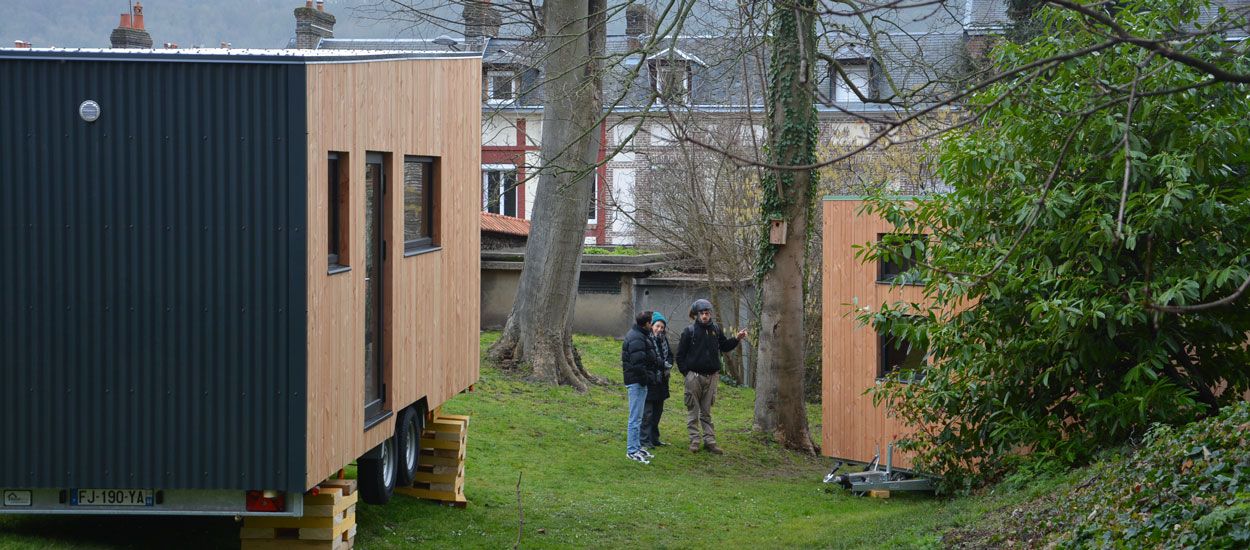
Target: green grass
x=579, y=491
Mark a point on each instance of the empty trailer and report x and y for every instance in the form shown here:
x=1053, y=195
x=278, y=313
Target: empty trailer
x=230, y=273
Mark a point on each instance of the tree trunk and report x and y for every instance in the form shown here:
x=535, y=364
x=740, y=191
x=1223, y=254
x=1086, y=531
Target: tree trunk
x=780, y=408
x=538, y=335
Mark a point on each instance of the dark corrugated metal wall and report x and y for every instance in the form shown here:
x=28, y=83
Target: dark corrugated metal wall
x=152, y=311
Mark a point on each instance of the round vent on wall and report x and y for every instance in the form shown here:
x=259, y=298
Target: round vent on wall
x=89, y=110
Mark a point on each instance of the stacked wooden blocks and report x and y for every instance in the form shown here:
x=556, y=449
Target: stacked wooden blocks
x=329, y=522
x=440, y=470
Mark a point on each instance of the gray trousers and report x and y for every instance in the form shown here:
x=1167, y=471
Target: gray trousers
x=700, y=395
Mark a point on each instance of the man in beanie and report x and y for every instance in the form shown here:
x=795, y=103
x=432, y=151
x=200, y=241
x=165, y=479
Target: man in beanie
x=698, y=359
x=638, y=363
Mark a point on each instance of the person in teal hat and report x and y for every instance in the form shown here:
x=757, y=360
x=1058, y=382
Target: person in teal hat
x=657, y=392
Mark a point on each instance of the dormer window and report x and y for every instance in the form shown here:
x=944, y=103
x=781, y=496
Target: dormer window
x=501, y=86
x=857, y=75
x=671, y=80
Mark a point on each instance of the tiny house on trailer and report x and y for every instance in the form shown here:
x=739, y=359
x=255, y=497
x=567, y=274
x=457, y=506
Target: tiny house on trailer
x=230, y=273
x=855, y=357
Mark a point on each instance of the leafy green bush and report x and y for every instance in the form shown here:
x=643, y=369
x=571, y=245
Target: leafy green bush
x=1052, y=327
x=1186, y=487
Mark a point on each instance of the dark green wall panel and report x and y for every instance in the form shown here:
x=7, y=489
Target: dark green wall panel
x=152, y=299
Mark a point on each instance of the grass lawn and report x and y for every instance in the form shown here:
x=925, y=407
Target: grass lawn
x=579, y=491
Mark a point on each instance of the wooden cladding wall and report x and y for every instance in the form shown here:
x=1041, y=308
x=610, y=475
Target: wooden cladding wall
x=853, y=428
x=427, y=107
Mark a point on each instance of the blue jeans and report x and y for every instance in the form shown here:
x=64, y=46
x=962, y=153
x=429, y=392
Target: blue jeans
x=637, y=400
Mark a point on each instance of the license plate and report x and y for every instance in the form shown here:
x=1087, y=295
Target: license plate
x=111, y=497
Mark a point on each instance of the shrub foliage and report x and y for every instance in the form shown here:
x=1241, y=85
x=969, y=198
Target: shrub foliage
x=1048, y=327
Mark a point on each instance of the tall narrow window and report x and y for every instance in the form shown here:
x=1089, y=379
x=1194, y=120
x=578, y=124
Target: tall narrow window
x=419, y=203
x=594, y=198
x=499, y=189
x=337, y=211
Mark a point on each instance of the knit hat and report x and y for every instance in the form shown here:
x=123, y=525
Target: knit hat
x=699, y=305
x=658, y=317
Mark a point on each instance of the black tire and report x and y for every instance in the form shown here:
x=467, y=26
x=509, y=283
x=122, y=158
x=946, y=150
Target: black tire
x=408, y=445
x=376, y=473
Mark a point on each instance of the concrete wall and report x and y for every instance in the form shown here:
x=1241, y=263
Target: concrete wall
x=673, y=296
x=597, y=313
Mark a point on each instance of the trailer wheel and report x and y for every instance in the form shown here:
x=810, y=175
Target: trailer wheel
x=376, y=472
x=407, y=445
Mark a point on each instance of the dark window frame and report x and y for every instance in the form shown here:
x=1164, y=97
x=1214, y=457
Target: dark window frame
x=429, y=199
x=338, y=212
x=593, y=215
x=889, y=273
x=885, y=343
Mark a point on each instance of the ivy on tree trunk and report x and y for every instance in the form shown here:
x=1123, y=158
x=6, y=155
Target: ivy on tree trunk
x=789, y=195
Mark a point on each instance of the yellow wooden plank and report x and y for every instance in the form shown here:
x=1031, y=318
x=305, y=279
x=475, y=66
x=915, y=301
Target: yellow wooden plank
x=444, y=425
x=328, y=533
x=328, y=495
x=279, y=522
x=441, y=444
x=347, y=485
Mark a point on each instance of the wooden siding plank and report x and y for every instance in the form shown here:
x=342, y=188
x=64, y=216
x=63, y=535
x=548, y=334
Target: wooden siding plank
x=412, y=107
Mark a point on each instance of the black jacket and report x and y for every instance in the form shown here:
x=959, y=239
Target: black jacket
x=700, y=348
x=638, y=356
x=659, y=390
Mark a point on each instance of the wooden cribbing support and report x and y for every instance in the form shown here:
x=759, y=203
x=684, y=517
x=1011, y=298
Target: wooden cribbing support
x=329, y=522
x=440, y=470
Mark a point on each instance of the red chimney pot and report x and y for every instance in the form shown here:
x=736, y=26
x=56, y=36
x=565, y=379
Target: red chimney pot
x=125, y=24
x=138, y=20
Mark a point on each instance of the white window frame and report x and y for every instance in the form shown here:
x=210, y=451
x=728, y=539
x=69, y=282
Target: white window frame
x=858, y=75
x=490, y=86
x=486, y=168
x=663, y=66
x=593, y=215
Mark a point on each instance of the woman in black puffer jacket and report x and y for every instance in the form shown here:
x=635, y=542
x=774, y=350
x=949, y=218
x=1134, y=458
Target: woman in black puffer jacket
x=657, y=391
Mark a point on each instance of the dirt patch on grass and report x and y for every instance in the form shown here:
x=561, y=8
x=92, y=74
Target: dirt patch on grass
x=1021, y=525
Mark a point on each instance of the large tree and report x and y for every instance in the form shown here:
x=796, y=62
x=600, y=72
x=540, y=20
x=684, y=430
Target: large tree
x=1087, y=271
x=538, y=334
x=789, y=199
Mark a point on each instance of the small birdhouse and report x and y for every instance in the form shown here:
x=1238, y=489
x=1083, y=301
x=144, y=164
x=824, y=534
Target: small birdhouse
x=777, y=231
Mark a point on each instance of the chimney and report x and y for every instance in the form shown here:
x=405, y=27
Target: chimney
x=481, y=19
x=21, y=44
x=312, y=25
x=639, y=22
x=225, y=45
x=130, y=33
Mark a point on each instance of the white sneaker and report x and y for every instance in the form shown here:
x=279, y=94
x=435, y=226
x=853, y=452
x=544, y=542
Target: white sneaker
x=637, y=457
x=645, y=453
